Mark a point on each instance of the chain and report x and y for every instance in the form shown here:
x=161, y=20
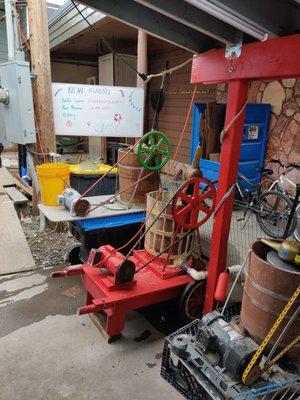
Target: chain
x=285, y=350
x=270, y=334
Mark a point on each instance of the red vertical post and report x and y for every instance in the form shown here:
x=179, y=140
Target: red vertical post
x=230, y=155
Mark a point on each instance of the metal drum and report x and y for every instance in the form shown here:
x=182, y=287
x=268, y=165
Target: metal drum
x=162, y=233
x=130, y=170
x=267, y=289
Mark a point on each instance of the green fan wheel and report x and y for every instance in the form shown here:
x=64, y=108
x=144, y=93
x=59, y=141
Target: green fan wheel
x=154, y=150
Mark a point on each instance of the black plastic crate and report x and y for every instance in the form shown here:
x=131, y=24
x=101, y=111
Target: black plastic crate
x=81, y=182
x=116, y=236
x=180, y=378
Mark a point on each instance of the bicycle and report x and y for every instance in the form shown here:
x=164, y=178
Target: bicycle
x=272, y=209
x=281, y=184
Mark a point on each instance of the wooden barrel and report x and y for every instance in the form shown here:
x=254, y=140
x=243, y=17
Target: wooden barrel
x=161, y=234
x=129, y=173
x=267, y=290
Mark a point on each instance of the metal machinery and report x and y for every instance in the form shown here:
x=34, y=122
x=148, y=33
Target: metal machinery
x=212, y=358
x=118, y=283
x=207, y=358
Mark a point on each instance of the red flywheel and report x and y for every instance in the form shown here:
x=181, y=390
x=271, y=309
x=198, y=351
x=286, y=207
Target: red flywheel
x=192, y=206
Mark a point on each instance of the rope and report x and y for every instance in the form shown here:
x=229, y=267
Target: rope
x=169, y=71
x=163, y=183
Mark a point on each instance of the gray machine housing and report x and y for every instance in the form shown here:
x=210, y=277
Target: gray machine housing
x=18, y=111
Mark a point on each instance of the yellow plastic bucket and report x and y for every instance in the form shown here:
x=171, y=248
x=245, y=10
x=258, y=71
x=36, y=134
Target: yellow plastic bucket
x=53, y=178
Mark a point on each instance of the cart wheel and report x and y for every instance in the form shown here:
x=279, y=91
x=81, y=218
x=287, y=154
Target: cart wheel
x=73, y=254
x=192, y=301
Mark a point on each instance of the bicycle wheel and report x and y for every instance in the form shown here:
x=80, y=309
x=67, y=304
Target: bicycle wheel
x=297, y=229
x=265, y=184
x=273, y=213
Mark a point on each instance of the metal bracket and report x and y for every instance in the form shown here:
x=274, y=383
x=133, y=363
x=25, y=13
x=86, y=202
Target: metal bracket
x=234, y=50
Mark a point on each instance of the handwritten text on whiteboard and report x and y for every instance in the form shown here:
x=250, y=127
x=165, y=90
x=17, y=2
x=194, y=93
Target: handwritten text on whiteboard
x=90, y=110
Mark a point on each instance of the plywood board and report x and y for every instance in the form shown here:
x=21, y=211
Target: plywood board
x=22, y=186
x=16, y=196
x=60, y=214
x=15, y=254
x=6, y=179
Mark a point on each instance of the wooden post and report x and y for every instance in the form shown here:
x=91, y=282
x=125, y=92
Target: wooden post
x=40, y=64
x=142, y=61
x=142, y=57
x=42, y=90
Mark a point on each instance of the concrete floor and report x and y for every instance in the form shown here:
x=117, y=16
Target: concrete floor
x=48, y=352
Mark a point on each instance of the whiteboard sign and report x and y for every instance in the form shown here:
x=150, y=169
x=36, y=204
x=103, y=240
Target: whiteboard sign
x=92, y=110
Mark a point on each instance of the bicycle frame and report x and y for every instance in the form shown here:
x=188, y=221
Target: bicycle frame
x=282, y=182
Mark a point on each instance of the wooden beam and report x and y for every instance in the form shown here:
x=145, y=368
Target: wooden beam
x=40, y=63
x=273, y=59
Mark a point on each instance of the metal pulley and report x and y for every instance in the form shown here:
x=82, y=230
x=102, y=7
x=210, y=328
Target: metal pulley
x=154, y=150
x=192, y=206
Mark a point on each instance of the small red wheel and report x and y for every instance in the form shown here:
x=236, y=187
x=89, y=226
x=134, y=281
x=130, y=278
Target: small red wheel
x=192, y=206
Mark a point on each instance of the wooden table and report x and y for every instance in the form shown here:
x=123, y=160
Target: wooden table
x=60, y=214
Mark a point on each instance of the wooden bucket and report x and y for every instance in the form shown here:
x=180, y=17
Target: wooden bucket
x=129, y=173
x=161, y=234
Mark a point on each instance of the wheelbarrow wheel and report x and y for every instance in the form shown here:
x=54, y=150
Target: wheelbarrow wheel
x=73, y=255
x=192, y=301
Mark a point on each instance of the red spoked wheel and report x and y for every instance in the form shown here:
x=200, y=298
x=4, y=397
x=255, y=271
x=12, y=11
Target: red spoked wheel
x=192, y=206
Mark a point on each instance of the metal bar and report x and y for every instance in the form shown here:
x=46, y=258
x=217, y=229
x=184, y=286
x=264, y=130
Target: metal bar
x=237, y=97
x=152, y=22
x=194, y=18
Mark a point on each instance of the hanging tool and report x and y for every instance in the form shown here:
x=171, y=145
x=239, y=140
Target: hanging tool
x=287, y=249
x=253, y=371
x=157, y=100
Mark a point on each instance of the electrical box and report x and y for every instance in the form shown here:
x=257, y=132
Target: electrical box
x=18, y=112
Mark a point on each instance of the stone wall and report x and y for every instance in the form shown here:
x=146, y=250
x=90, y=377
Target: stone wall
x=284, y=128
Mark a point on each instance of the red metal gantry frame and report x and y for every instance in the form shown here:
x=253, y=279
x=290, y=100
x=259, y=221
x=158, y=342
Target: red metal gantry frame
x=273, y=59
x=153, y=284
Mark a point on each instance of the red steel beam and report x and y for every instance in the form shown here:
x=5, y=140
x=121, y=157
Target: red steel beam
x=230, y=155
x=273, y=59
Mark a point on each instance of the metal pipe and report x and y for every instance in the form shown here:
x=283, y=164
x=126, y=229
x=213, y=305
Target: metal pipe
x=226, y=16
x=235, y=282
x=10, y=30
x=196, y=275
x=280, y=337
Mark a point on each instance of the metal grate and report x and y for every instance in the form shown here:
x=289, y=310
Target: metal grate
x=242, y=233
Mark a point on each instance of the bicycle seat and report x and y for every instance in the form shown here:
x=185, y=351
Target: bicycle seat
x=265, y=171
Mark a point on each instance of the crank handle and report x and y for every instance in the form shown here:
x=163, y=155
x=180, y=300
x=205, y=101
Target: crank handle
x=68, y=271
x=96, y=306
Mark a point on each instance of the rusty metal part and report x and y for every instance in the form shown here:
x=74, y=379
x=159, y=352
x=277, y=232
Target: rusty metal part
x=129, y=173
x=81, y=207
x=267, y=290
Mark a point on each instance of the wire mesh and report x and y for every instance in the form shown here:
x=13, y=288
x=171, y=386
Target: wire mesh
x=243, y=231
